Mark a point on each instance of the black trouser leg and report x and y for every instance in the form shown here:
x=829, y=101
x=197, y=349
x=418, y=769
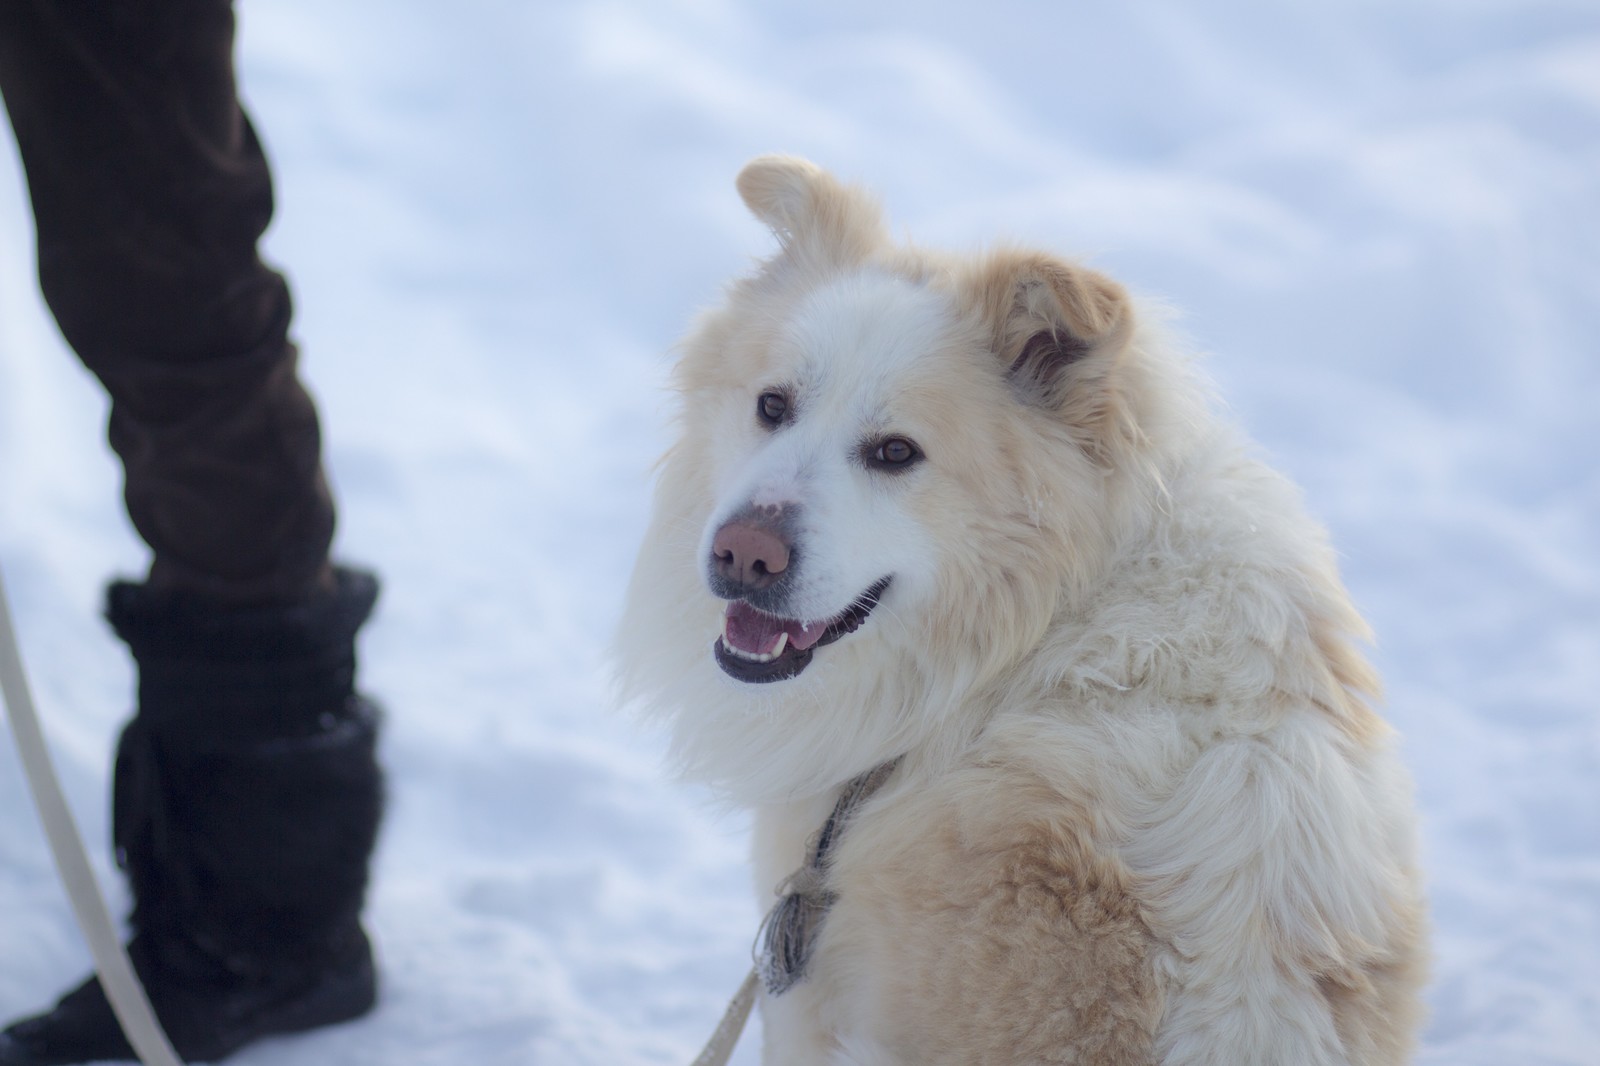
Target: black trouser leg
x=149, y=192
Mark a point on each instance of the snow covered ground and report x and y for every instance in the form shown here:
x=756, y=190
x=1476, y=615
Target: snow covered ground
x=1381, y=219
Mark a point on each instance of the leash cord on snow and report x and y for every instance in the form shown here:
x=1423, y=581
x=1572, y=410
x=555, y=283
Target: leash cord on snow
x=122, y=987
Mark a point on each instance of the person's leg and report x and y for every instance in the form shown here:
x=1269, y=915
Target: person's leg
x=149, y=192
x=247, y=793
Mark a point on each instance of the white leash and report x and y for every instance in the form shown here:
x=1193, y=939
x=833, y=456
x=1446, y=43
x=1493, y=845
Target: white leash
x=719, y=1049
x=122, y=987
x=789, y=930
x=123, y=990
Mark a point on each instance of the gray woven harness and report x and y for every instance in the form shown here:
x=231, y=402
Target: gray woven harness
x=789, y=931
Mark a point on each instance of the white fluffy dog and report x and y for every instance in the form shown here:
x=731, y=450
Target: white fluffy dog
x=970, y=523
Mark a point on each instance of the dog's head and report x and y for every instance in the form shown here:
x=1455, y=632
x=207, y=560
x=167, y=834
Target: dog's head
x=893, y=470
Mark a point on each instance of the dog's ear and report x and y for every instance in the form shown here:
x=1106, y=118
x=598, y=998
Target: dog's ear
x=808, y=209
x=1057, y=328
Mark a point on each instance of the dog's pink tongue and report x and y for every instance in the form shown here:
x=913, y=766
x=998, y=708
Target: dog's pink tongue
x=756, y=633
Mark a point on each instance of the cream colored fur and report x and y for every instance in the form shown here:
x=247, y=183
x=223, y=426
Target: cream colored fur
x=1147, y=813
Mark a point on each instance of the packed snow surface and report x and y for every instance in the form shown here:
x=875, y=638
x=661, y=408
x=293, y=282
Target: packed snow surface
x=1382, y=223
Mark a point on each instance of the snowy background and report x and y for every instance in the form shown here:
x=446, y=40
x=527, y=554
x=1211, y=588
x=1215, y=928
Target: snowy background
x=1381, y=219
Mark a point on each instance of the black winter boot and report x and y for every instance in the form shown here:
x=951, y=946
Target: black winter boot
x=246, y=804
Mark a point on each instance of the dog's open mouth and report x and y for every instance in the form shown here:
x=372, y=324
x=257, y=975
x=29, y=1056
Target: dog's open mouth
x=757, y=647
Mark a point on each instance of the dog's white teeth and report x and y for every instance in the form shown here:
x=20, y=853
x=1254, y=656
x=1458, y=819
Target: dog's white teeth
x=752, y=656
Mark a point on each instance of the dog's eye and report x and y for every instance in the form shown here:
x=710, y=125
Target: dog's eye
x=772, y=407
x=894, y=453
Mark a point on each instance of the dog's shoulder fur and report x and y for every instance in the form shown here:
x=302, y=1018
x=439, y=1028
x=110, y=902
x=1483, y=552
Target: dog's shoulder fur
x=1146, y=811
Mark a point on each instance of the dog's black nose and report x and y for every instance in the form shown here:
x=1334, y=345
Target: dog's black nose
x=748, y=556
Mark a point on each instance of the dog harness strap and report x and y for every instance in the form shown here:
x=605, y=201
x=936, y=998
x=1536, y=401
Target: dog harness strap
x=790, y=929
